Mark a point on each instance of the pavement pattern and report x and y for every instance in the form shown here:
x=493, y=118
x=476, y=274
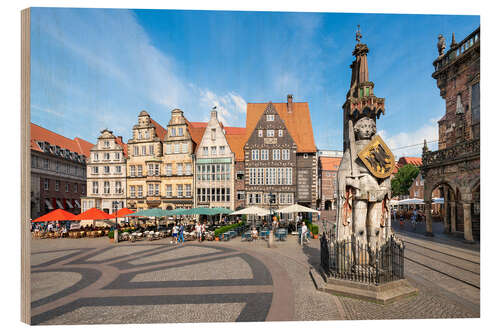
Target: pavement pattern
x=92, y=281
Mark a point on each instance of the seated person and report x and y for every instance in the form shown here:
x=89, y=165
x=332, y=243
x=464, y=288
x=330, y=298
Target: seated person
x=254, y=233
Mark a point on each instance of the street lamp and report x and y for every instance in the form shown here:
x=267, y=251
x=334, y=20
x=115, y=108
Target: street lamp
x=115, y=207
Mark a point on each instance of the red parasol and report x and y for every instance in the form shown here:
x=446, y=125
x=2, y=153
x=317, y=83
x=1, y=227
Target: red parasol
x=56, y=215
x=93, y=214
x=122, y=212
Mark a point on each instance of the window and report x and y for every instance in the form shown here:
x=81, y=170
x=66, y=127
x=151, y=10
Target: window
x=475, y=107
x=188, y=168
x=95, y=187
x=150, y=189
x=280, y=133
x=157, y=189
x=118, y=169
x=188, y=190
x=106, y=169
x=151, y=169
x=180, y=131
x=222, y=150
x=260, y=133
x=57, y=185
x=132, y=171
x=212, y=134
x=176, y=148
x=180, y=190
x=132, y=191
x=117, y=156
x=118, y=187
x=151, y=150
x=75, y=188
x=157, y=169
x=168, y=149
x=250, y=198
x=143, y=148
x=179, y=169
x=306, y=155
x=270, y=117
x=95, y=170
x=205, y=151
x=213, y=151
x=168, y=169
x=96, y=157
x=106, y=157
x=140, y=135
x=136, y=151
x=286, y=154
x=276, y=154
x=258, y=198
x=139, y=191
x=270, y=133
x=45, y=163
x=240, y=175
x=67, y=187
x=139, y=170
x=184, y=147
x=264, y=154
x=241, y=195
x=146, y=134
x=106, y=187
x=169, y=190
x=172, y=132
x=255, y=154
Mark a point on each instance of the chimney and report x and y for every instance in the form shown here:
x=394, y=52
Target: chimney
x=213, y=113
x=289, y=103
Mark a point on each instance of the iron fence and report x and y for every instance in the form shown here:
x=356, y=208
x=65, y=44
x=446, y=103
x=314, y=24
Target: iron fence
x=351, y=260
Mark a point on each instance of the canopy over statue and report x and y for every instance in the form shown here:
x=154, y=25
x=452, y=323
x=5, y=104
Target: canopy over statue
x=364, y=188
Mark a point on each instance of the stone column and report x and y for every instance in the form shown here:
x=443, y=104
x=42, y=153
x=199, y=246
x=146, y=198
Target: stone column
x=446, y=217
x=453, y=216
x=467, y=222
x=428, y=219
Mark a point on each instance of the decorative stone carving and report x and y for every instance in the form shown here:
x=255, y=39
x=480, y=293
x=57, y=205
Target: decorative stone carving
x=441, y=45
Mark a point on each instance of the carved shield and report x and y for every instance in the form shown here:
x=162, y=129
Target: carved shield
x=378, y=158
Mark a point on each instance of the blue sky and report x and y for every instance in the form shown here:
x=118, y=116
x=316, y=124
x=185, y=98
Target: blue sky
x=98, y=68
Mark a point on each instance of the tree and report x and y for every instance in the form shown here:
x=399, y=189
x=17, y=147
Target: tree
x=401, y=183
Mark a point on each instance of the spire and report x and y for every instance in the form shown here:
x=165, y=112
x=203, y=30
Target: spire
x=425, y=149
x=453, y=41
x=359, y=66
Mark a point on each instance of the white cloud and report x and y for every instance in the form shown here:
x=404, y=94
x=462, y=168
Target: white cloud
x=49, y=111
x=229, y=106
x=411, y=143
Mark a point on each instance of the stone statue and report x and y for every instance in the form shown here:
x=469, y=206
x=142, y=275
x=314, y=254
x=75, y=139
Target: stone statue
x=441, y=45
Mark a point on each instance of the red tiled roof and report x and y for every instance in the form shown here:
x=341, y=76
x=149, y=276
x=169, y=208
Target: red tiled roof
x=297, y=122
x=160, y=131
x=235, y=130
x=197, y=124
x=236, y=143
x=77, y=145
x=417, y=161
x=119, y=140
x=330, y=163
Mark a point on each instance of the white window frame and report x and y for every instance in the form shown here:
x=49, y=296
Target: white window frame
x=270, y=133
x=260, y=133
x=270, y=117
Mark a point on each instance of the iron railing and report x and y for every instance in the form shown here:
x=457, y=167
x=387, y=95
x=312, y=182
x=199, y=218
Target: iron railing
x=351, y=260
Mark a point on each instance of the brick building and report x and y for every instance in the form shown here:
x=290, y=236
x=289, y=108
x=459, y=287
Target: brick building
x=456, y=163
x=327, y=180
x=58, y=171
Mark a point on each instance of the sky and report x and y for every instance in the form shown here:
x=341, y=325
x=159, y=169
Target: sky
x=98, y=68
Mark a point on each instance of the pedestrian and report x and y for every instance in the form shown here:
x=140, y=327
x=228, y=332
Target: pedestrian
x=254, y=234
x=175, y=230
x=203, y=230
x=181, y=234
x=198, y=231
x=303, y=233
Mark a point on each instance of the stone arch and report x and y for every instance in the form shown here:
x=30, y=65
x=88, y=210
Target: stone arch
x=328, y=205
x=430, y=186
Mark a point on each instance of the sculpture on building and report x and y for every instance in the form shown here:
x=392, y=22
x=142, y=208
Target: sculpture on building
x=364, y=187
x=441, y=45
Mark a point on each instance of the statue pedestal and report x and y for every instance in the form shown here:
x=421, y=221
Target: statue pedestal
x=384, y=293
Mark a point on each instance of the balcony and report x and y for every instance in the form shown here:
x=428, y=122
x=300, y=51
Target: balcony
x=460, y=152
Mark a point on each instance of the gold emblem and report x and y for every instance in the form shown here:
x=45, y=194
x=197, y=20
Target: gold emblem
x=378, y=158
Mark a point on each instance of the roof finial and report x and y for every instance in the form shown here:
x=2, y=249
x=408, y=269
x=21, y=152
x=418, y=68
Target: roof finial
x=358, y=35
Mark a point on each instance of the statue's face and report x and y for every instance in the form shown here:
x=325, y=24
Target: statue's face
x=365, y=128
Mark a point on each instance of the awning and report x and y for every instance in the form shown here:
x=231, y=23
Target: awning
x=59, y=204
x=68, y=202
x=77, y=204
x=49, y=205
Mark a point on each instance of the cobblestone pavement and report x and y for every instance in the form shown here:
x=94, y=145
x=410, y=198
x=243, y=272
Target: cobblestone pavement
x=86, y=281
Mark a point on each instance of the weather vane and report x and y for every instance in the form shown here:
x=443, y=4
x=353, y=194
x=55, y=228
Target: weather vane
x=358, y=35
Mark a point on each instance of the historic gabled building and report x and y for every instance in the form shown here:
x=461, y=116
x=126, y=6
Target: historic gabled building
x=235, y=137
x=214, y=171
x=456, y=164
x=106, y=174
x=144, y=164
x=280, y=155
x=327, y=180
x=178, y=148
x=58, y=171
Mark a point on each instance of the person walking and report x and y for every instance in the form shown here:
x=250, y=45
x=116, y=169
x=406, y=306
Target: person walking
x=198, y=231
x=203, y=230
x=175, y=230
x=303, y=234
x=181, y=234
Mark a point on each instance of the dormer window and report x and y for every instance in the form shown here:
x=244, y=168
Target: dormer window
x=270, y=117
x=260, y=132
x=213, y=134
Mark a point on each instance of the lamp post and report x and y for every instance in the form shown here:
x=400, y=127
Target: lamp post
x=115, y=206
x=271, y=231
